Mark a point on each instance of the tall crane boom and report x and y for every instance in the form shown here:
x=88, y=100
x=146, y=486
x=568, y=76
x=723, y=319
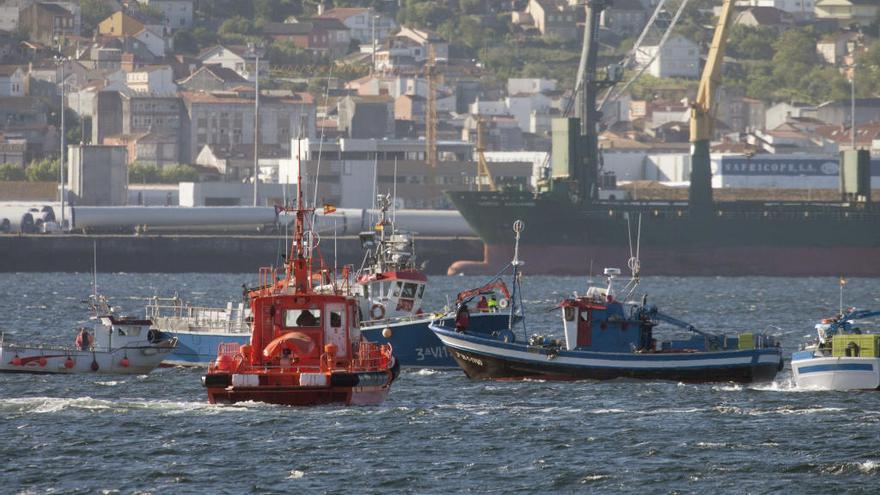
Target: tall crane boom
x=703, y=114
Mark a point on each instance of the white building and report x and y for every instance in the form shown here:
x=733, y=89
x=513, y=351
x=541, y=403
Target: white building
x=12, y=80
x=798, y=8
x=178, y=13
x=530, y=86
x=362, y=23
x=527, y=109
x=156, y=80
x=233, y=58
x=680, y=57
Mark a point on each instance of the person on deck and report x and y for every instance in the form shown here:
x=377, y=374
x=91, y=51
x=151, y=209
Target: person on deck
x=462, y=318
x=306, y=319
x=493, y=304
x=482, y=305
x=84, y=340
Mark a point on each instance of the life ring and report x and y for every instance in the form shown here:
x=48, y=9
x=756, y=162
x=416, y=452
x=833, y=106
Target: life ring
x=503, y=303
x=377, y=311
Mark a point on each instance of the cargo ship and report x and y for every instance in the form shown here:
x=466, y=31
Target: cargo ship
x=571, y=228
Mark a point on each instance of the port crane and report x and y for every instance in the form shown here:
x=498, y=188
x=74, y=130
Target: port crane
x=703, y=111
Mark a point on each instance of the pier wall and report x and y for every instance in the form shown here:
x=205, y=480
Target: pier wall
x=197, y=253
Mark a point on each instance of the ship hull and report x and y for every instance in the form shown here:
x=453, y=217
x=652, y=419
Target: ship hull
x=196, y=348
x=835, y=373
x=489, y=359
x=46, y=360
x=362, y=388
x=296, y=396
x=781, y=261
x=731, y=239
x=416, y=346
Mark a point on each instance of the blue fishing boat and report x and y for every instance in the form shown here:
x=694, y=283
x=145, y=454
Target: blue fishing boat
x=606, y=337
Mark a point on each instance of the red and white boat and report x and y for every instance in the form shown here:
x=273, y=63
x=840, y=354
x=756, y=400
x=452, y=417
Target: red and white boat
x=305, y=346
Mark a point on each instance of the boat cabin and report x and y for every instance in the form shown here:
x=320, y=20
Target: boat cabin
x=299, y=329
x=391, y=294
x=115, y=332
x=603, y=327
x=598, y=322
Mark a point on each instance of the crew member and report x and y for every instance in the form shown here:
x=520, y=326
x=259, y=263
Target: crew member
x=83, y=340
x=482, y=305
x=462, y=318
x=306, y=319
x=493, y=304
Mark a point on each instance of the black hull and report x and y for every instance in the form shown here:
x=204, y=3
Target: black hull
x=482, y=367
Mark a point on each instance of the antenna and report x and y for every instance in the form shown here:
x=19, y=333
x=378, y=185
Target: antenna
x=95, y=269
x=590, y=277
x=633, y=263
x=394, y=195
x=842, y=285
x=518, y=227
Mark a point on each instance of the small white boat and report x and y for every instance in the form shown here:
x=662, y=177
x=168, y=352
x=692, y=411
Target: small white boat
x=117, y=345
x=842, y=357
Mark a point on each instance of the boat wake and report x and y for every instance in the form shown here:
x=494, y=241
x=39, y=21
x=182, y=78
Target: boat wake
x=50, y=405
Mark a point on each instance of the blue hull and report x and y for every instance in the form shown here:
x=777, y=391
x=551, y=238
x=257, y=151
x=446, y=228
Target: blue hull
x=200, y=348
x=416, y=346
x=483, y=357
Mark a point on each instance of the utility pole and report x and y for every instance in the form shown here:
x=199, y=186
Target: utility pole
x=60, y=58
x=852, y=129
x=256, y=49
x=373, y=43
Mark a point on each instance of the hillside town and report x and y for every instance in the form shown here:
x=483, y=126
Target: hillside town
x=222, y=102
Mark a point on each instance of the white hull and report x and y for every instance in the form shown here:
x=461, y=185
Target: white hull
x=837, y=373
x=41, y=359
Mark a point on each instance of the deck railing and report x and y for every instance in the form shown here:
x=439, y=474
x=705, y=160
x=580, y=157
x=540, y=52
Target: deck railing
x=219, y=320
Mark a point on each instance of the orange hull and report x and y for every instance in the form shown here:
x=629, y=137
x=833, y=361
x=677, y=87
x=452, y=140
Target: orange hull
x=300, y=396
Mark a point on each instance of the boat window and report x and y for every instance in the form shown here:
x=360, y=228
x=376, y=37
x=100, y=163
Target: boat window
x=409, y=291
x=129, y=331
x=569, y=313
x=585, y=315
x=335, y=319
x=397, y=289
x=421, y=290
x=302, y=318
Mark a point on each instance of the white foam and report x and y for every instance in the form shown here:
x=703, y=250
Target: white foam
x=593, y=477
x=869, y=466
x=295, y=475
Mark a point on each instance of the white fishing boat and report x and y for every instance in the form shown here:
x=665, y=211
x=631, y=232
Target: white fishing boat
x=115, y=344
x=841, y=357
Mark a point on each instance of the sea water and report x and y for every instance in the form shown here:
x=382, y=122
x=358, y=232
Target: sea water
x=439, y=432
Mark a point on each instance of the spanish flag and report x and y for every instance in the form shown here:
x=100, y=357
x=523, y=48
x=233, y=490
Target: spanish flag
x=842, y=281
x=328, y=209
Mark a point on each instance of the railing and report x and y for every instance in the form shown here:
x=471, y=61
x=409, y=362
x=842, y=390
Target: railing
x=372, y=357
x=404, y=319
x=216, y=320
x=228, y=349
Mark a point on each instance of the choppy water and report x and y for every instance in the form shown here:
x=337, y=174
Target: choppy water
x=439, y=432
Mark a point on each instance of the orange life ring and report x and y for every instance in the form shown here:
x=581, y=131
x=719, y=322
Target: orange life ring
x=377, y=311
